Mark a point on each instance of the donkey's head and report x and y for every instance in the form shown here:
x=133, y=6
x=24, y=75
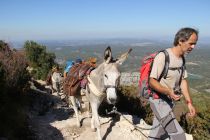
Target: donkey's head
x=111, y=74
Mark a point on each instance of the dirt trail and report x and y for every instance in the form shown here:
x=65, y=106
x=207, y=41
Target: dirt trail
x=58, y=122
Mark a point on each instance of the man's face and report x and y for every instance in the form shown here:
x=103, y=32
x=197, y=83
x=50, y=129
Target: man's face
x=190, y=44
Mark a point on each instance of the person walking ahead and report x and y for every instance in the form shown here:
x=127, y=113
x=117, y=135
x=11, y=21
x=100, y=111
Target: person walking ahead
x=172, y=88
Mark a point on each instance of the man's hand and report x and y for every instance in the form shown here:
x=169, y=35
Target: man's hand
x=173, y=96
x=191, y=110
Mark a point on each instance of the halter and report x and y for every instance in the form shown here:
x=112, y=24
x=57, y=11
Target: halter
x=108, y=86
x=95, y=90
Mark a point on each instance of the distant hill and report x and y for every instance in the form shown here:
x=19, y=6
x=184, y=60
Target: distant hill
x=198, y=62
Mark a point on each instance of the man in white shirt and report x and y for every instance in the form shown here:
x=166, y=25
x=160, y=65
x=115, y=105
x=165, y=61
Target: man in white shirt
x=171, y=88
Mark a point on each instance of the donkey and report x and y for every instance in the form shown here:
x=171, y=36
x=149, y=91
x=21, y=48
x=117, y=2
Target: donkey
x=102, y=82
x=57, y=82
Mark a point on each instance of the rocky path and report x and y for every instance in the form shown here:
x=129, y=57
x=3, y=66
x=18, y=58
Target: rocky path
x=58, y=122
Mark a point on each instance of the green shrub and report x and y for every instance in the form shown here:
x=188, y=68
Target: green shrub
x=130, y=102
x=40, y=60
x=13, y=83
x=199, y=126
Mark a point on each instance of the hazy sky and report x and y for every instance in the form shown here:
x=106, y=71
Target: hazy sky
x=84, y=19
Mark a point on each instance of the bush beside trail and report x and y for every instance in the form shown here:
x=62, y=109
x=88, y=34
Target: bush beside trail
x=16, y=96
x=13, y=83
x=39, y=59
x=198, y=126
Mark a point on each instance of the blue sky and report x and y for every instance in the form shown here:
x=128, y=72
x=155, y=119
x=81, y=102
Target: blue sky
x=90, y=19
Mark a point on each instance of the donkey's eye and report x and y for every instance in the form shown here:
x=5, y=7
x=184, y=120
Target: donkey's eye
x=106, y=76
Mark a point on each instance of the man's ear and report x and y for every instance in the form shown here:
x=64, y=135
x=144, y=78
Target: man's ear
x=108, y=54
x=181, y=41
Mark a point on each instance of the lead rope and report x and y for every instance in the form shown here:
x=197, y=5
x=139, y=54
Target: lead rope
x=114, y=111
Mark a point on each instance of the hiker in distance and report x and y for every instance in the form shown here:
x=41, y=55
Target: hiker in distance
x=170, y=88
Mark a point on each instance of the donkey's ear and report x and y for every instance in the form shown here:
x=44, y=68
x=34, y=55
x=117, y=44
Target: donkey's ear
x=123, y=57
x=108, y=54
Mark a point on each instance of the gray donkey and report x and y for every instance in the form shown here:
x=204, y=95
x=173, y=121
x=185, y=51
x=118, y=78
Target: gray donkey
x=102, y=82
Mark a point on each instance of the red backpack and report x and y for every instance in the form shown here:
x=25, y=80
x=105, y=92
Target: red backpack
x=145, y=69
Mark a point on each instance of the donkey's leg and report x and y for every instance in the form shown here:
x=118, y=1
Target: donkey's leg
x=96, y=119
x=92, y=123
x=73, y=101
x=58, y=84
x=53, y=87
x=89, y=110
x=49, y=89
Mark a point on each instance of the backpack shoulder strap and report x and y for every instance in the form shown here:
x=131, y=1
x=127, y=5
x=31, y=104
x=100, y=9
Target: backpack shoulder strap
x=183, y=59
x=166, y=66
x=183, y=69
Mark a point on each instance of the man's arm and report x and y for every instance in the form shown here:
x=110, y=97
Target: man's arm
x=185, y=92
x=154, y=84
x=157, y=68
